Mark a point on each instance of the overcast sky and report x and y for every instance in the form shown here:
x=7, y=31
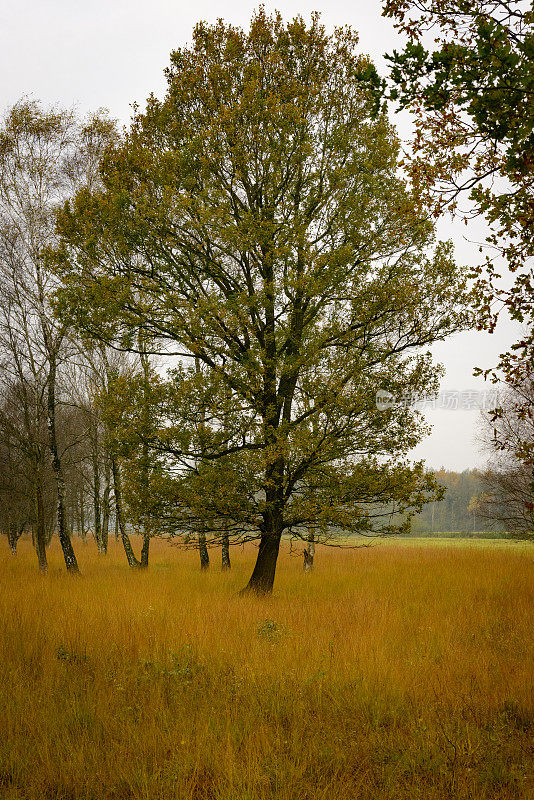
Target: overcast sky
x=109, y=54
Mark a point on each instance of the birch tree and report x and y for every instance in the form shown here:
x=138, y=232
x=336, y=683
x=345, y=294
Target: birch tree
x=45, y=156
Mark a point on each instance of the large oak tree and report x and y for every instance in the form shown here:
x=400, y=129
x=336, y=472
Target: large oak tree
x=255, y=221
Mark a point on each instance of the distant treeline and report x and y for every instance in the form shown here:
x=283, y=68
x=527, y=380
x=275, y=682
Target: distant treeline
x=460, y=510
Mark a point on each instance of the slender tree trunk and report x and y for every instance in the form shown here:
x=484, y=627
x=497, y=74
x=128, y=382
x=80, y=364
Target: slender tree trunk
x=128, y=549
x=105, y=521
x=40, y=529
x=145, y=416
x=64, y=538
x=105, y=506
x=12, y=538
x=145, y=550
x=202, y=547
x=82, y=515
x=225, y=551
x=13, y=535
x=309, y=552
x=96, y=488
x=71, y=509
x=203, y=550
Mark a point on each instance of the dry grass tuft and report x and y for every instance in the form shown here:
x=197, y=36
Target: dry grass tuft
x=391, y=672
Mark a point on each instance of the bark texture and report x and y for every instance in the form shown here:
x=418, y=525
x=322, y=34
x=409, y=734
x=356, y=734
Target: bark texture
x=96, y=488
x=128, y=549
x=40, y=528
x=262, y=579
x=225, y=552
x=203, y=550
x=64, y=538
x=145, y=550
x=106, y=507
x=309, y=553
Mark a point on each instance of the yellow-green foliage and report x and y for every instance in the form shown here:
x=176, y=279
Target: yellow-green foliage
x=391, y=672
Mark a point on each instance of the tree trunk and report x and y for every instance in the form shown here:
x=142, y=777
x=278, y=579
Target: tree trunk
x=82, y=516
x=203, y=550
x=225, y=551
x=309, y=552
x=105, y=517
x=96, y=489
x=64, y=538
x=262, y=579
x=145, y=416
x=145, y=550
x=128, y=549
x=40, y=528
x=13, y=536
x=105, y=507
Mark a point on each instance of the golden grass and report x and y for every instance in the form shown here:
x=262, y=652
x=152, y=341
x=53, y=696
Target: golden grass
x=391, y=672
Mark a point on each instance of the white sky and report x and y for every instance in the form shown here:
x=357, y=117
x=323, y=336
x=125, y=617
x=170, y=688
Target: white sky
x=111, y=53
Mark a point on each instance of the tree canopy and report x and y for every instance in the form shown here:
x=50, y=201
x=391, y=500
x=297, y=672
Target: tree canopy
x=466, y=74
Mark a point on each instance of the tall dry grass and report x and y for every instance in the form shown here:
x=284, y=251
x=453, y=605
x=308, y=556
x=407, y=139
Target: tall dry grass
x=390, y=672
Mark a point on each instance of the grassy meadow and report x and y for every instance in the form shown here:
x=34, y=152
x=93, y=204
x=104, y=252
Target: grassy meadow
x=397, y=671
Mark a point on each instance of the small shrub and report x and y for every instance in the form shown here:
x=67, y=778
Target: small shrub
x=270, y=630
